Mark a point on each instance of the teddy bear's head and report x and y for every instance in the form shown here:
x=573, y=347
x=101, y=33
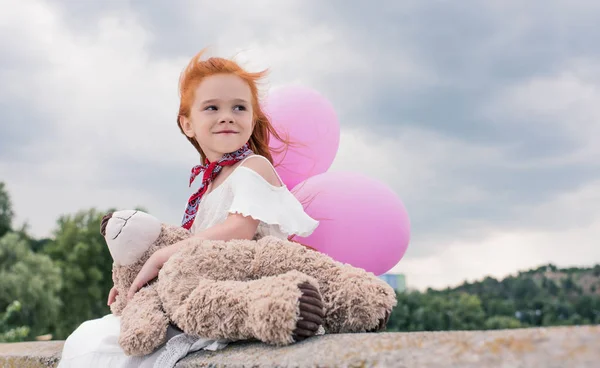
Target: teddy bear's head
x=132, y=237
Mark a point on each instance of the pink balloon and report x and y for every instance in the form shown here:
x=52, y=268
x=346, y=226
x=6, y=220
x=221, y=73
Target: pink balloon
x=308, y=120
x=362, y=222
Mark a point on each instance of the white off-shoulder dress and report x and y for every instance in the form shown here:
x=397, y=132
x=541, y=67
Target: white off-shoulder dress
x=95, y=342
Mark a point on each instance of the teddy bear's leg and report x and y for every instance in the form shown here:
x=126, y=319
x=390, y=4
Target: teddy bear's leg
x=355, y=300
x=143, y=323
x=277, y=310
x=358, y=301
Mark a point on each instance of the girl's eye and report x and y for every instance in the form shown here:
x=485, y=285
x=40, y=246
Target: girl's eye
x=240, y=107
x=211, y=107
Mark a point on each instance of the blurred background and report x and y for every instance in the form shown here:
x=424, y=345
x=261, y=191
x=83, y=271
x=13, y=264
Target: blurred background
x=482, y=117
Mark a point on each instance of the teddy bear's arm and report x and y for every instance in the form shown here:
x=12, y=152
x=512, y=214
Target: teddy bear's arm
x=143, y=323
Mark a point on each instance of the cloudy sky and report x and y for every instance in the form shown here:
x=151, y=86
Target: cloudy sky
x=483, y=117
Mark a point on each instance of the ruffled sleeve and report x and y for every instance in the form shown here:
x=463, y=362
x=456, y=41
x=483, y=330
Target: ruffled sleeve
x=278, y=210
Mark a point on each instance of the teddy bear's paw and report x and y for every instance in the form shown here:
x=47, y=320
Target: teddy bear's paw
x=363, y=303
x=143, y=323
x=144, y=335
x=382, y=323
x=311, y=313
x=138, y=344
x=284, y=309
x=359, y=318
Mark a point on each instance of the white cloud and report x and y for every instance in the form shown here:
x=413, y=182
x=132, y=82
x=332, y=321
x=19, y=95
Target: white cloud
x=104, y=96
x=416, y=163
x=567, y=102
x=413, y=161
x=577, y=209
x=104, y=100
x=503, y=252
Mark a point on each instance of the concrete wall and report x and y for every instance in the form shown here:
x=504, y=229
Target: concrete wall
x=545, y=347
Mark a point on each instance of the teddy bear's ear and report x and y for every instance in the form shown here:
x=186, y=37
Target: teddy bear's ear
x=129, y=234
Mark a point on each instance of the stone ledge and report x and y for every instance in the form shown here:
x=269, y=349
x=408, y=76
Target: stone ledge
x=30, y=354
x=535, y=347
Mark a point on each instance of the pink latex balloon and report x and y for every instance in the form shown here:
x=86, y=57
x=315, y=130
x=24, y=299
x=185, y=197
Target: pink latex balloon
x=308, y=120
x=362, y=222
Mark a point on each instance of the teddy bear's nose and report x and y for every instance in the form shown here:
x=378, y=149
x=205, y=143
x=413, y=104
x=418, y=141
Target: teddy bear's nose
x=104, y=223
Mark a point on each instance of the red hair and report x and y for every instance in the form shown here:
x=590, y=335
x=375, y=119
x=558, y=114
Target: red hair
x=191, y=77
x=197, y=70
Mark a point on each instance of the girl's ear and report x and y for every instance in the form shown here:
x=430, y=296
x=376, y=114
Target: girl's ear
x=186, y=125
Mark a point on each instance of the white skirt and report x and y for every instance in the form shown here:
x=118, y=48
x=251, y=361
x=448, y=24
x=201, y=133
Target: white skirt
x=95, y=344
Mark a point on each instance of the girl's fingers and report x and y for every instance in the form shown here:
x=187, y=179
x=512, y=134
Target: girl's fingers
x=147, y=273
x=112, y=295
x=134, y=287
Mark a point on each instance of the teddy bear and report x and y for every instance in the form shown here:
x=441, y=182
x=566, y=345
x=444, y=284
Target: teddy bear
x=263, y=289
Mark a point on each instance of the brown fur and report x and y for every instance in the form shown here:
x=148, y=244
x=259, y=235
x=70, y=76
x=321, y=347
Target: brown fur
x=245, y=289
x=123, y=276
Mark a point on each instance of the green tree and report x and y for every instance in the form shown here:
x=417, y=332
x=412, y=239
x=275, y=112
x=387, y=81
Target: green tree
x=501, y=323
x=9, y=333
x=550, y=286
x=81, y=252
x=400, y=317
x=468, y=312
x=35, y=245
x=532, y=298
x=525, y=289
x=435, y=311
x=588, y=307
x=33, y=280
x=570, y=286
x=499, y=307
x=6, y=211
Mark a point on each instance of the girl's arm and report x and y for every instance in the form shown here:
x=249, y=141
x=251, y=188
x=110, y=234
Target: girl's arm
x=236, y=226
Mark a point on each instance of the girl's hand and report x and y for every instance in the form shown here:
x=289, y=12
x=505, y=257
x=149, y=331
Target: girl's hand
x=112, y=295
x=150, y=269
x=148, y=272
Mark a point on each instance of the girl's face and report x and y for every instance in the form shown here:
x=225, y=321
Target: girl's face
x=221, y=116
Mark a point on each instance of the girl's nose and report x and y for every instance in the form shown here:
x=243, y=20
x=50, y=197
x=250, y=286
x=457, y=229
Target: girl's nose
x=226, y=118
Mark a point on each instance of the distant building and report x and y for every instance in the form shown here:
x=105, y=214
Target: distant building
x=396, y=281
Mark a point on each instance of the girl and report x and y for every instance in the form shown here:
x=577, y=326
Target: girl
x=240, y=196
